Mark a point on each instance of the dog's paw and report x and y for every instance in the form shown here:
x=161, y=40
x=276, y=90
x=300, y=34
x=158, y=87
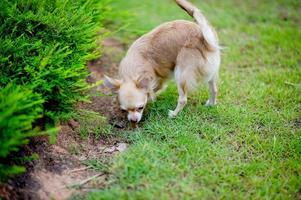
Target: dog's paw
x=172, y=114
x=209, y=103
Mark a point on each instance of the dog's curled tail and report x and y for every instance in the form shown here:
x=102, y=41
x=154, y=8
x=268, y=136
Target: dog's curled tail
x=207, y=31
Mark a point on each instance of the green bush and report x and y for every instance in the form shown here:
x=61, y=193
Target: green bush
x=44, y=47
x=19, y=108
x=46, y=44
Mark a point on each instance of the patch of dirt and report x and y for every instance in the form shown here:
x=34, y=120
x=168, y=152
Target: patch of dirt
x=59, y=172
x=114, y=50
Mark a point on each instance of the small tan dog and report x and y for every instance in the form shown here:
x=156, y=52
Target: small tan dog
x=188, y=49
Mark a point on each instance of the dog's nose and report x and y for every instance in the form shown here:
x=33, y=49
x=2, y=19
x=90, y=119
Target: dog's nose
x=132, y=117
x=134, y=120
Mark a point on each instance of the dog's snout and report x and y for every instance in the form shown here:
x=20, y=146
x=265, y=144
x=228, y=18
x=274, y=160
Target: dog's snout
x=134, y=117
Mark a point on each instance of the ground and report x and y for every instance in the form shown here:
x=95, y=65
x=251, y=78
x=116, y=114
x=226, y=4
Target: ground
x=246, y=147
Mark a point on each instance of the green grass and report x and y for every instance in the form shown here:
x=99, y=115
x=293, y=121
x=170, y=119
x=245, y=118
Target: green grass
x=91, y=123
x=247, y=147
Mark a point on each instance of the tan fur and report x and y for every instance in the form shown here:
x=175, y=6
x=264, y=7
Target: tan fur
x=188, y=49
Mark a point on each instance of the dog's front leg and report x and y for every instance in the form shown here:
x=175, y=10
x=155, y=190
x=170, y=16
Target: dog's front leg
x=152, y=96
x=182, y=100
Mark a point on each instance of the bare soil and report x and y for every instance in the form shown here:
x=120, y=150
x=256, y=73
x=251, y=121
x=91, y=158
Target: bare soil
x=59, y=171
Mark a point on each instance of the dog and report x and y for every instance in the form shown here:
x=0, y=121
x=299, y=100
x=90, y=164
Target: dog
x=189, y=50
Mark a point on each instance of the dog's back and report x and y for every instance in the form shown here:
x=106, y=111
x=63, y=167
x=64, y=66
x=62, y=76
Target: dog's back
x=159, y=48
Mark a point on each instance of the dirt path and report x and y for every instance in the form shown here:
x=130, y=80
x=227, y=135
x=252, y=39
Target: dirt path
x=59, y=172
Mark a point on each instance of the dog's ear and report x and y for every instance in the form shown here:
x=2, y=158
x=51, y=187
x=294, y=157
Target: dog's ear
x=142, y=83
x=113, y=84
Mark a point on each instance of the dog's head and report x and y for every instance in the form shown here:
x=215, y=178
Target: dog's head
x=132, y=96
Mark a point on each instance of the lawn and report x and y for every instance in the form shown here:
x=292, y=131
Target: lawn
x=246, y=147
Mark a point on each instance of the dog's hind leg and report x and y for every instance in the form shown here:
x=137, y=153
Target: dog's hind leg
x=212, y=91
x=186, y=75
x=182, y=99
x=182, y=90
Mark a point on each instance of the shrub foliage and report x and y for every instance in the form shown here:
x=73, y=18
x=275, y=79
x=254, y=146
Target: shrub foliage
x=44, y=47
x=19, y=108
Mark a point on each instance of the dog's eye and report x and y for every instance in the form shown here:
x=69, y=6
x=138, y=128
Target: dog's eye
x=140, y=108
x=123, y=110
